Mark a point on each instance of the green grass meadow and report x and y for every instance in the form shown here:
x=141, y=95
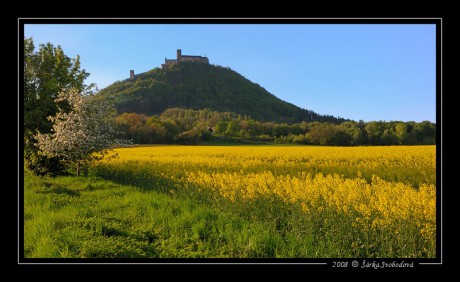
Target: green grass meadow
x=89, y=217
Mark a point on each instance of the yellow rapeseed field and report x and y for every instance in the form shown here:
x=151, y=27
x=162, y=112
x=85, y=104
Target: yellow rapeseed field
x=384, y=196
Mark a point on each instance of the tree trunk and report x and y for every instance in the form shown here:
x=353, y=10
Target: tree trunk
x=78, y=169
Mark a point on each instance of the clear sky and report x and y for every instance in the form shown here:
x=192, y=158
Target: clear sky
x=357, y=71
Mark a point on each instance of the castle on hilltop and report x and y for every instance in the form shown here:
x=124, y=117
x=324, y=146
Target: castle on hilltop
x=184, y=58
x=180, y=59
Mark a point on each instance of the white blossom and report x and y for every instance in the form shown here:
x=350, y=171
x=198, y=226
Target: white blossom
x=82, y=134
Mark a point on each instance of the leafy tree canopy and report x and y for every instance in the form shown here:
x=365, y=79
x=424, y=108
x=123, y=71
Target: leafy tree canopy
x=47, y=72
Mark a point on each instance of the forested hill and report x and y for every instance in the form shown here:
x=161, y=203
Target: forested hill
x=199, y=86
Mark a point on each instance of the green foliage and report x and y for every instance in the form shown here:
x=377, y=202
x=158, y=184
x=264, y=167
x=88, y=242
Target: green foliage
x=189, y=137
x=198, y=86
x=355, y=131
x=233, y=129
x=340, y=138
x=281, y=130
x=221, y=127
x=284, y=140
x=288, y=139
x=42, y=165
x=295, y=129
x=47, y=72
x=323, y=134
x=186, y=126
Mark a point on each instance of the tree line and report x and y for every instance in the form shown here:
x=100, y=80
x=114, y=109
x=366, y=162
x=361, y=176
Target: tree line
x=187, y=126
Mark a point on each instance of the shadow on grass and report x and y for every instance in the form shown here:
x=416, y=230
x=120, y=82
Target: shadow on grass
x=143, y=180
x=274, y=211
x=58, y=189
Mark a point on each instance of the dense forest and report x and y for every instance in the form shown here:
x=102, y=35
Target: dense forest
x=198, y=86
x=186, y=126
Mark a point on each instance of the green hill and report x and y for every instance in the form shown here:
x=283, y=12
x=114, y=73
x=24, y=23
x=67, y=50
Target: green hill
x=199, y=86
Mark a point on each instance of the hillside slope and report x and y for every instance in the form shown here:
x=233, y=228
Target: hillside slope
x=199, y=86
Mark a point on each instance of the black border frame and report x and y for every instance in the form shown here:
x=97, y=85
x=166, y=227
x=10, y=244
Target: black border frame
x=322, y=263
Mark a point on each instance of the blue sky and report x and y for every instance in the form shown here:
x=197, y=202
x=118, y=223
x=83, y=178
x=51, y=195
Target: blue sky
x=357, y=71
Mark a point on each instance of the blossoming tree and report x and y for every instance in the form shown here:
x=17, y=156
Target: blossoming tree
x=82, y=129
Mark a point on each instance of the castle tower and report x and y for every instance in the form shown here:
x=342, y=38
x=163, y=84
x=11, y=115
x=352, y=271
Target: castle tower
x=131, y=74
x=179, y=54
